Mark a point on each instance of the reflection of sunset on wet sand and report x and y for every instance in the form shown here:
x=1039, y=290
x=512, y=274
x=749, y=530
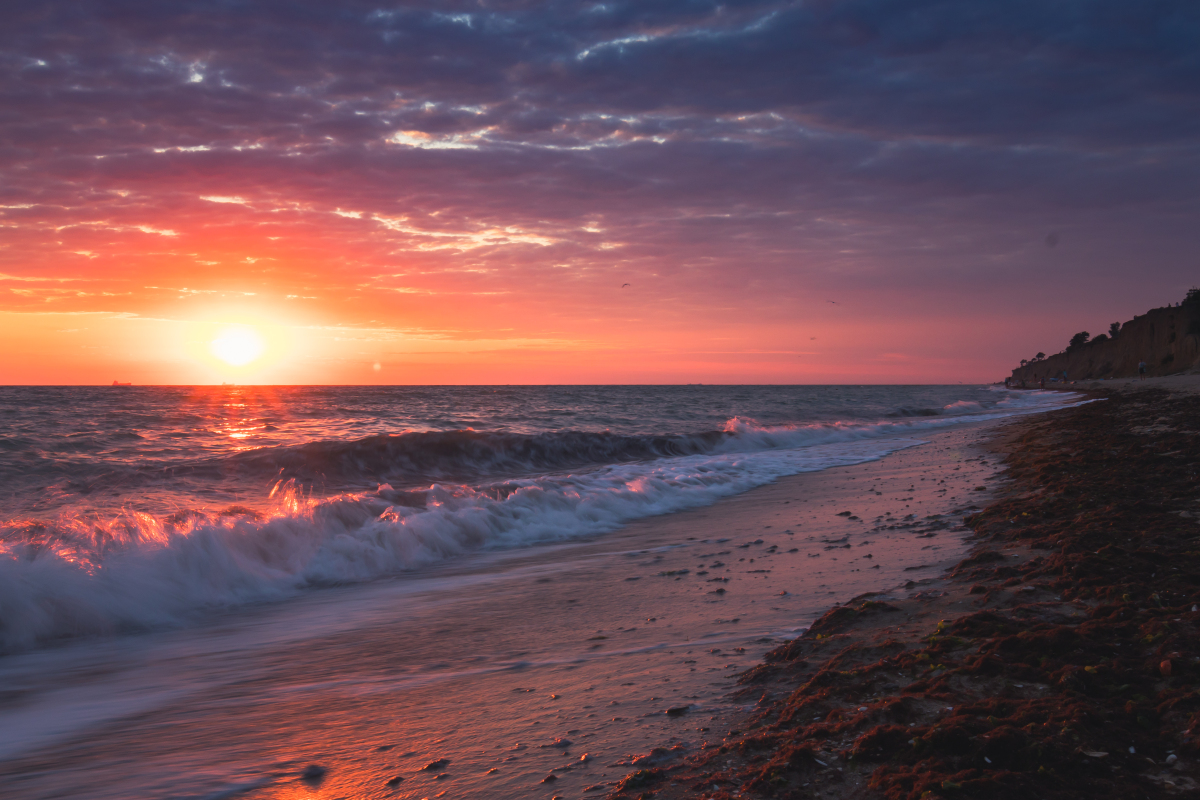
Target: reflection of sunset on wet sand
x=560, y=662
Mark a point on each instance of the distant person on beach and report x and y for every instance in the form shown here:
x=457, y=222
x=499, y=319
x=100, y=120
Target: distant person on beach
x=1141, y=370
x=1042, y=382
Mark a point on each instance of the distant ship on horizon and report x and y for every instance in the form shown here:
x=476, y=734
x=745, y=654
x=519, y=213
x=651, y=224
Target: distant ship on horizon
x=118, y=383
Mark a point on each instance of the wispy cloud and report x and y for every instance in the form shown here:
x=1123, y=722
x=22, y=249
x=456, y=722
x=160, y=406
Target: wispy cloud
x=735, y=164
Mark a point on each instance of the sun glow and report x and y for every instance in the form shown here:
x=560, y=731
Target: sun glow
x=237, y=345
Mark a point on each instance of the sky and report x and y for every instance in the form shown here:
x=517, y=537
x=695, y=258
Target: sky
x=651, y=191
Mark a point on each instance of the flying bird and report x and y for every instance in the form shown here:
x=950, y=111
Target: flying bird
x=835, y=302
x=623, y=285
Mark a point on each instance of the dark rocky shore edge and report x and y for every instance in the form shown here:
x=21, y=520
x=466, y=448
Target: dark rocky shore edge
x=1059, y=660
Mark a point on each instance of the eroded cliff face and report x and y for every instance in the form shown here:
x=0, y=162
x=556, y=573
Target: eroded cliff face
x=1167, y=339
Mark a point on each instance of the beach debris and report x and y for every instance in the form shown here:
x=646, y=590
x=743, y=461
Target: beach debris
x=433, y=766
x=1171, y=759
x=1095, y=754
x=551, y=778
x=843, y=513
x=313, y=772
x=396, y=781
x=640, y=779
x=658, y=755
x=585, y=758
x=677, y=711
x=559, y=744
x=493, y=771
x=720, y=590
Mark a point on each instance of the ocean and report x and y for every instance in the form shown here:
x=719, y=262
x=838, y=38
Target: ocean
x=411, y=592
x=135, y=508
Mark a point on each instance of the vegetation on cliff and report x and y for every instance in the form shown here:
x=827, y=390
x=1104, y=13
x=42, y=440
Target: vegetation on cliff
x=1166, y=340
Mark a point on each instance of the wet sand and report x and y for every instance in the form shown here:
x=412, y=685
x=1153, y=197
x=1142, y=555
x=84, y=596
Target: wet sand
x=539, y=672
x=1059, y=660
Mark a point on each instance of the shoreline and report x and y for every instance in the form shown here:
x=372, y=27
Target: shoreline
x=632, y=620
x=1051, y=662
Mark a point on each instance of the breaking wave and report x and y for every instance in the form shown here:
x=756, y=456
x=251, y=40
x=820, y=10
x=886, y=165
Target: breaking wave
x=433, y=496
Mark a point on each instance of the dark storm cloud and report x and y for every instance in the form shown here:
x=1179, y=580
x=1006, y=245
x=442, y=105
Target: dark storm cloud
x=687, y=130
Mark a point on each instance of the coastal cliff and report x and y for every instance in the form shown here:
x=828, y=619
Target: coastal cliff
x=1167, y=339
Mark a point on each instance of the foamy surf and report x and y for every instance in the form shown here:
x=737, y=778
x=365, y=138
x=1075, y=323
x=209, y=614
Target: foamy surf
x=89, y=573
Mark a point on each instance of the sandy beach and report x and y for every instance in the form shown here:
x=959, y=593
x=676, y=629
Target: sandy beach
x=1058, y=660
x=1187, y=384
x=543, y=671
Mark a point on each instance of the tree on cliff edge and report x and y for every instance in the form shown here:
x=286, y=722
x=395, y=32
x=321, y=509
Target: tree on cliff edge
x=1078, y=340
x=1113, y=330
x=1191, y=304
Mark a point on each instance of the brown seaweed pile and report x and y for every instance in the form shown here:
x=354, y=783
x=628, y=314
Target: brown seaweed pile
x=1072, y=673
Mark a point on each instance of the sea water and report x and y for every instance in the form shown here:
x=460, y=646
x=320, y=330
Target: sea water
x=140, y=507
x=127, y=508
x=204, y=591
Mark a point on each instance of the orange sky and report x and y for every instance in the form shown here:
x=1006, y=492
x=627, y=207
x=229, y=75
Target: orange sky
x=411, y=197
x=140, y=297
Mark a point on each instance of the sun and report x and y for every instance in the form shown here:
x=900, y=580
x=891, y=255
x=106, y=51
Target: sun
x=237, y=345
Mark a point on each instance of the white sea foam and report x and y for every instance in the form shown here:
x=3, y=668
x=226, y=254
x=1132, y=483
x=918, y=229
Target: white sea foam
x=139, y=572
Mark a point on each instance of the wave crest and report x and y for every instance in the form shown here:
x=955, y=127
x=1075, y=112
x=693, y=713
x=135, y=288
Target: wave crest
x=90, y=574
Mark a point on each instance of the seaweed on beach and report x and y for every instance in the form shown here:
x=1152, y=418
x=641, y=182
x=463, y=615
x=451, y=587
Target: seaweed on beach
x=1073, y=675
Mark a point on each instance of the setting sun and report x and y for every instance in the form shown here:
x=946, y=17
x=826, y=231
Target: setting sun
x=237, y=345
